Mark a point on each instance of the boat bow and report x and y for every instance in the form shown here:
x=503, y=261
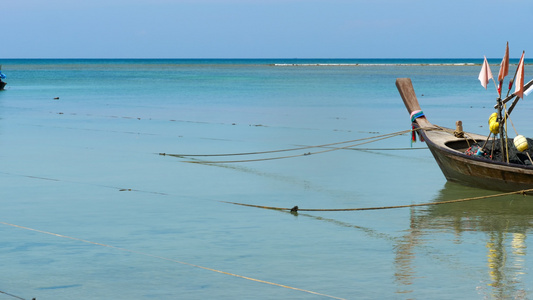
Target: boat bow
x=449, y=152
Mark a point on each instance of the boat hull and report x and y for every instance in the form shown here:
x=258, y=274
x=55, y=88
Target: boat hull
x=449, y=152
x=480, y=172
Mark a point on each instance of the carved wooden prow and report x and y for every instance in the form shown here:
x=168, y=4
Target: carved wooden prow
x=405, y=87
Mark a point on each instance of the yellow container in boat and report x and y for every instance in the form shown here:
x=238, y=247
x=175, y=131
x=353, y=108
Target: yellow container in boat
x=493, y=118
x=520, y=142
x=494, y=127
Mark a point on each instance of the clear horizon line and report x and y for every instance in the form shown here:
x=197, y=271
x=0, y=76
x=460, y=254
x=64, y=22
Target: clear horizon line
x=257, y=58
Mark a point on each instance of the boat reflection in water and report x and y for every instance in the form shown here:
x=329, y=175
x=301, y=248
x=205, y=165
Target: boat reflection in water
x=502, y=224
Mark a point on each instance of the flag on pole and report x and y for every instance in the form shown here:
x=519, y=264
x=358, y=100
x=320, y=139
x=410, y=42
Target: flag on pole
x=519, y=83
x=485, y=75
x=504, y=66
x=504, y=69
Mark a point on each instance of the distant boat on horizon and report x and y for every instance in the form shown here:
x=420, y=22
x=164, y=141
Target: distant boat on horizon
x=2, y=76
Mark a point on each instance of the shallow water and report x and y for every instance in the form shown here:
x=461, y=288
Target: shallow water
x=91, y=210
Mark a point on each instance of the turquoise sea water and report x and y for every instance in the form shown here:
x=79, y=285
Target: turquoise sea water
x=91, y=210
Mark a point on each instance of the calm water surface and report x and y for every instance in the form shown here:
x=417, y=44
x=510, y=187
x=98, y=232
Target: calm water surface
x=90, y=210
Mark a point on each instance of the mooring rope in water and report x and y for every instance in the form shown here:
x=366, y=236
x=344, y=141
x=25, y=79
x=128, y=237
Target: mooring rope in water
x=388, y=149
x=286, y=150
x=296, y=208
x=14, y=296
x=168, y=259
x=367, y=140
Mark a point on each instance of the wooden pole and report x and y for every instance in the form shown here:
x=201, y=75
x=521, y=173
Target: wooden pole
x=512, y=106
x=511, y=97
x=500, y=120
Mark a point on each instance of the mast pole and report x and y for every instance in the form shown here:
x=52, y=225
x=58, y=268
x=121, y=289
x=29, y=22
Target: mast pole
x=500, y=120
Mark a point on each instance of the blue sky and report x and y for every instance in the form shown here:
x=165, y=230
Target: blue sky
x=265, y=28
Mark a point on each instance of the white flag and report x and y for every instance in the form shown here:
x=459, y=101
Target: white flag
x=485, y=75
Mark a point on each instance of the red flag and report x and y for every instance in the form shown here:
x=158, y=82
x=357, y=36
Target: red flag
x=504, y=66
x=519, y=83
x=485, y=75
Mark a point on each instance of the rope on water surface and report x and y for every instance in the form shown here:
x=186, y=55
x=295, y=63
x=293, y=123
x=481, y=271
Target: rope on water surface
x=11, y=295
x=167, y=259
x=296, y=208
x=367, y=140
x=285, y=150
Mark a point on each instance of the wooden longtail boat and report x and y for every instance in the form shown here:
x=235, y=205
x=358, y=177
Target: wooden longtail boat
x=449, y=152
